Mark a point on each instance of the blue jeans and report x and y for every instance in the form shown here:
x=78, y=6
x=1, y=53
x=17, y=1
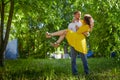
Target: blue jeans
x=73, y=61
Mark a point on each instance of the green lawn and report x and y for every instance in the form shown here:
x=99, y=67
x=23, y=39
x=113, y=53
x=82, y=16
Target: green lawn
x=51, y=69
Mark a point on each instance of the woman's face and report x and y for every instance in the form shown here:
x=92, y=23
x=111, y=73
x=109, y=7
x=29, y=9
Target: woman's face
x=77, y=15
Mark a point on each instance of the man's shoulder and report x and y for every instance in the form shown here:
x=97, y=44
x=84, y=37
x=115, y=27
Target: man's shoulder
x=71, y=23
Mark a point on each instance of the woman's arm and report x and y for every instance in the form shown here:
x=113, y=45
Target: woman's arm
x=87, y=34
x=83, y=29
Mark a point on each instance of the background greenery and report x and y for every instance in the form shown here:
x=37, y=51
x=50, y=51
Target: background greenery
x=32, y=18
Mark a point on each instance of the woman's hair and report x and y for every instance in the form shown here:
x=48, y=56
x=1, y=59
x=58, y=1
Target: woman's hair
x=77, y=12
x=89, y=20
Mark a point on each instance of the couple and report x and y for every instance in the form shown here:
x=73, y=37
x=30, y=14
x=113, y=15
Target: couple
x=76, y=37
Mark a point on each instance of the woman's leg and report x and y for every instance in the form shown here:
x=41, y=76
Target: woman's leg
x=57, y=43
x=61, y=35
x=61, y=38
x=58, y=33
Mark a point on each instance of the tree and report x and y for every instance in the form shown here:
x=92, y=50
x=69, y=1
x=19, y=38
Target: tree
x=3, y=26
x=105, y=36
x=34, y=17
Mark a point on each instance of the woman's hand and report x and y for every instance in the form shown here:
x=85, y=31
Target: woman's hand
x=73, y=20
x=76, y=27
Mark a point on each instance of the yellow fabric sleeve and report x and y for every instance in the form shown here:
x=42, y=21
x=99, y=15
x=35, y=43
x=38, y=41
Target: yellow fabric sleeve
x=83, y=29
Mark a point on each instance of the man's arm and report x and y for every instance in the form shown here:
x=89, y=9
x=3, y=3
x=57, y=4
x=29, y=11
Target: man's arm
x=87, y=34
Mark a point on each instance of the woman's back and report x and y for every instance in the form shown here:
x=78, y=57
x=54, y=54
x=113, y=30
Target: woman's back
x=84, y=28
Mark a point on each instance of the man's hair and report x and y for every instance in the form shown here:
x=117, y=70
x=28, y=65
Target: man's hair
x=77, y=12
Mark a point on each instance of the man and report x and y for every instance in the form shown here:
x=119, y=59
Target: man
x=74, y=26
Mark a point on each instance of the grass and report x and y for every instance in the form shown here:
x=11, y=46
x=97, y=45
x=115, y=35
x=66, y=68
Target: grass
x=51, y=69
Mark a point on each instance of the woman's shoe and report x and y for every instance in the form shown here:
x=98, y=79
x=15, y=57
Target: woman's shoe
x=56, y=44
x=48, y=35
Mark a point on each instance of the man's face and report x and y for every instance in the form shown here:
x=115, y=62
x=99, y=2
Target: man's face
x=77, y=15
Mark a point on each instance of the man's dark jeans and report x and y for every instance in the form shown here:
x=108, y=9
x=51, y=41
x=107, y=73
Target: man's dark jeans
x=73, y=61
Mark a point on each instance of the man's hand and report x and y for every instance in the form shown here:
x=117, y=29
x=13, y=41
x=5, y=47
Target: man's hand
x=87, y=34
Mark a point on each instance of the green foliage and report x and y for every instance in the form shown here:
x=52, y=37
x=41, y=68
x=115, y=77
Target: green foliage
x=51, y=69
x=105, y=37
x=32, y=18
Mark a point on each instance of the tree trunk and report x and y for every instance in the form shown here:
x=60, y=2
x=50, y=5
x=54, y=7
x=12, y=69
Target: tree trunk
x=1, y=33
x=5, y=40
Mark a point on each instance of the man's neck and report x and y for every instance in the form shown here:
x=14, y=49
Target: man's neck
x=77, y=19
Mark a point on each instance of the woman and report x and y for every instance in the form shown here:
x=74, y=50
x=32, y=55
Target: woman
x=75, y=39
